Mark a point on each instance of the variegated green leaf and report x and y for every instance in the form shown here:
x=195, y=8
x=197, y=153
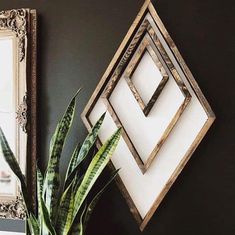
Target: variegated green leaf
x=95, y=168
x=46, y=218
x=95, y=200
x=73, y=161
x=52, y=180
x=39, y=196
x=33, y=225
x=65, y=213
x=13, y=164
x=78, y=227
x=85, y=148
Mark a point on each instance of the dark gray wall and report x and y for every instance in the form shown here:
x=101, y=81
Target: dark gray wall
x=77, y=40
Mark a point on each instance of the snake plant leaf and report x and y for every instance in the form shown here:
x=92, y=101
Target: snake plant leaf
x=12, y=162
x=78, y=227
x=95, y=200
x=73, y=160
x=77, y=182
x=46, y=218
x=85, y=148
x=33, y=225
x=52, y=179
x=39, y=196
x=95, y=168
x=65, y=213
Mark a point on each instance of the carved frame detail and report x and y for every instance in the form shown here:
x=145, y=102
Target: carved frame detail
x=16, y=21
x=13, y=209
x=21, y=114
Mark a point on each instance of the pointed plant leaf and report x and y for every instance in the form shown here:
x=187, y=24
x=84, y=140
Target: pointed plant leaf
x=33, y=225
x=77, y=182
x=95, y=168
x=85, y=148
x=46, y=218
x=78, y=227
x=95, y=200
x=65, y=213
x=52, y=180
x=13, y=164
x=73, y=161
x=39, y=196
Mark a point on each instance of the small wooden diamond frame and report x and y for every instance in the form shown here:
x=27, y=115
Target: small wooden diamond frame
x=149, y=91
x=147, y=45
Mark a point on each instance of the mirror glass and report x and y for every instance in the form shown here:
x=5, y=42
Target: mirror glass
x=8, y=185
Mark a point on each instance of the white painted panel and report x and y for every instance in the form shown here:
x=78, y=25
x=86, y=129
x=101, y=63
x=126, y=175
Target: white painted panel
x=136, y=124
x=144, y=189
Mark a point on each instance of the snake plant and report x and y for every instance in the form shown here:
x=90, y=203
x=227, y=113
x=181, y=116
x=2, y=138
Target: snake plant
x=64, y=209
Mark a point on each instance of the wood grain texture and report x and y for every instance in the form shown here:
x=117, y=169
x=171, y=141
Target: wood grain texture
x=32, y=127
x=102, y=91
x=146, y=45
x=145, y=40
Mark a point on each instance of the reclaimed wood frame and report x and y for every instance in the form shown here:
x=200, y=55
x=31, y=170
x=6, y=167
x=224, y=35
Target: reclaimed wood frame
x=22, y=23
x=146, y=45
x=148, y=7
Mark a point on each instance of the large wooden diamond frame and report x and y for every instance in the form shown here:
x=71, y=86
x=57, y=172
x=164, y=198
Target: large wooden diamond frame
x=110, y=77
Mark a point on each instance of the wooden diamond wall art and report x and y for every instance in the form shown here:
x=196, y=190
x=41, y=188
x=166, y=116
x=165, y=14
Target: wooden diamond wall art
x=149, y=91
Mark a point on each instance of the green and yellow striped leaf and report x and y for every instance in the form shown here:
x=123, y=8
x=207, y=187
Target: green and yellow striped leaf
x=46, y=218
x=13, y=164
x=95, y=200
x=65, y=213
x=73, y=161
x=52, y=179
x=33, y=225
x=85, y=148
x=95, y=168
x=78, y=227
x=39, y=196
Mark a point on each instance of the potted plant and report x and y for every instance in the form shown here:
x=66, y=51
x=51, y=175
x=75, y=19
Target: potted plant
x=67, y=212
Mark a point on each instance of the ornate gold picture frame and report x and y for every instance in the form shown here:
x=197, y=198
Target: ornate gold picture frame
x=18, y=118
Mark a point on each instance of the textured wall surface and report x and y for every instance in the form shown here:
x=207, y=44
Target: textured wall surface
x=77, y=40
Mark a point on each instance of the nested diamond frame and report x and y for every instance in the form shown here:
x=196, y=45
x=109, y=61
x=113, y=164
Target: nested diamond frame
x=146, y=45
x=144, y=33
x=116, y=67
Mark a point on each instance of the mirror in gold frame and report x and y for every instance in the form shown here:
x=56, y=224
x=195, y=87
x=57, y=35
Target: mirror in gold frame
x=17, y=104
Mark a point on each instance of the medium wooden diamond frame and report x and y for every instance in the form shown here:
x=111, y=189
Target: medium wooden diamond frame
x=180, y=115
x=141, y=42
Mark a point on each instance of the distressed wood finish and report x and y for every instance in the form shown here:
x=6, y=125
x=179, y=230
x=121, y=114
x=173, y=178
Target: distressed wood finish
x=146, y=45
x=100, y=89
